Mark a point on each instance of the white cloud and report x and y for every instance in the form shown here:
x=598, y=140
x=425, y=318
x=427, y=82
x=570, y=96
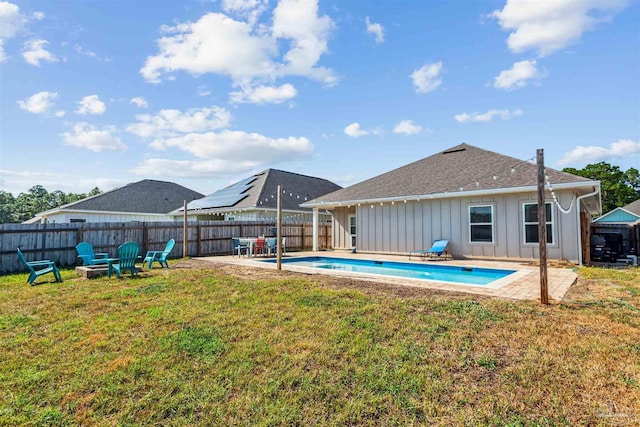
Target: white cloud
x=91, y=104
x=548, y=26
x=308, y=35
x=203, y=91
x=264, y=94
x=34, y=52
x=139, y=102
x=224, y=153
x=60, y=113
x=169, y=123
x=248, y=9
x=239, y=146
x=39, y=103
x=593, y=154
x=407, y=127
x=246, y=51
x=88, y=136
x=488, y=116
x=354, y=130
x=210, y=169
x=213, y=44
x=375, y=29
x=427, y=78
x=241, y=5
x=38, y=16
x=11, y=20
x=11, y=23
x=518, y=76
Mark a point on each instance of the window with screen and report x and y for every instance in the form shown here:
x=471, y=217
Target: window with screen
x=481, y=224
x=530, y=218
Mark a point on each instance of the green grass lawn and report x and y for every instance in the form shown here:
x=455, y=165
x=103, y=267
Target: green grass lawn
x=204, y=344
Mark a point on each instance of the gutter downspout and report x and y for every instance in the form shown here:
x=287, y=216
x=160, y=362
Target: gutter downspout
x=578, y=200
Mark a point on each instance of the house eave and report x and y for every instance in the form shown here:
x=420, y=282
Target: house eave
x=617, y=209
x=191, y=212
x=417, y=197
x=82, y=211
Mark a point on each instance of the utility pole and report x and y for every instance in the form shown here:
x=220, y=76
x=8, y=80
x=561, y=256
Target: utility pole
x=279, y=230
x=542, y=229
x=184, y=232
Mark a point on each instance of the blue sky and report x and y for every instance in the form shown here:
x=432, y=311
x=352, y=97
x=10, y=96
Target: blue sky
x=203, y=93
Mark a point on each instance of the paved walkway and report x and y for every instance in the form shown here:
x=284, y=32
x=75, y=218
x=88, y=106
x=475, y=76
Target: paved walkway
x=522, y=285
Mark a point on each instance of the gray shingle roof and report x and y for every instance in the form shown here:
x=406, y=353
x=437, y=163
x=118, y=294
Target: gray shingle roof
x=259, y=193
x=457, y=169
x=633, y=207
x=146, y=196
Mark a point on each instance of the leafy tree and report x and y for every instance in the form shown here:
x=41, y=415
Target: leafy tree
x=618, y=188
x=26, y=205
x=7, y=202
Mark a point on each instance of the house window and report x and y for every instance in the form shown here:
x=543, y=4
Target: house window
x=481, y=224
x=530, y=218
x=77, y=220
x=352, y=230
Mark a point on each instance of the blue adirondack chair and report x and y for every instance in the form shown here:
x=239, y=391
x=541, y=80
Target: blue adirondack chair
x=88, y=257
x=159, y=256
x=128, y=254
x=39, y=268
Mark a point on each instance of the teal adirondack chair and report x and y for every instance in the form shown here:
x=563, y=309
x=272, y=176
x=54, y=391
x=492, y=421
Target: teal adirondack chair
x=39, y=268
x=159, y=256
x=128, y=254
x=88, y=257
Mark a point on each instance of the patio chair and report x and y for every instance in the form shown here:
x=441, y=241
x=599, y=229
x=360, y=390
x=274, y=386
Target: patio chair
x=128, y=254
x=438, y=250
x=88, y=257
x=260, y=246
x=238, y=246
x=270, y=244
x=159, y=256
x=39, y=268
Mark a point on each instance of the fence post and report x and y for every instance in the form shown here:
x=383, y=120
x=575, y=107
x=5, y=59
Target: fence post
x=302, y=237
x=44, y=242
x=199, y=238
x=145, y=238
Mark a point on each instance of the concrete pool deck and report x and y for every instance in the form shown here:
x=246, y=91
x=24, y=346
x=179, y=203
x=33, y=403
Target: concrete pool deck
x=522, y=285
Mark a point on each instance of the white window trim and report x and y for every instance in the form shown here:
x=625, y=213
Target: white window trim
x=492, y=223
x=525, y=223
x=351, y=236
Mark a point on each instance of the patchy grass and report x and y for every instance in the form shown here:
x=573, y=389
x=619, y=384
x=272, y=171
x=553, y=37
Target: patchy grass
x=200, y=344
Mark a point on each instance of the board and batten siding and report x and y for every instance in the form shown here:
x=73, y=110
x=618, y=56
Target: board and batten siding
x=403, y=227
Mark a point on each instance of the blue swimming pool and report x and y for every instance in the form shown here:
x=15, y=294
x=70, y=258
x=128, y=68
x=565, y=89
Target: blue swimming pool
x=445, y=273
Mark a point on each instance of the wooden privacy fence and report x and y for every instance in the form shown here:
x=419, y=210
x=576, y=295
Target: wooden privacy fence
x=204, y=238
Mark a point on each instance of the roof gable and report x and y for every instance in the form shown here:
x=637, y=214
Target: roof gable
x=146, y=196
x=618, y=215
x=259, y=191
x=455, y=170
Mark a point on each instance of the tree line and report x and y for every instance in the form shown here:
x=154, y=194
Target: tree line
x=25, y=206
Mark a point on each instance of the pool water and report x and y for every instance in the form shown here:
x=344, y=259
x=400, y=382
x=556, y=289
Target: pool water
x=445, y=273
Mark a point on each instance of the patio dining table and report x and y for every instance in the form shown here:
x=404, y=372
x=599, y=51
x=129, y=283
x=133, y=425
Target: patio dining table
x=250, y=241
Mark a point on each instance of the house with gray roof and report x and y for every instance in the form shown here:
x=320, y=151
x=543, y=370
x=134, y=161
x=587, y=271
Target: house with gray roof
x=628, y=214
x=482, y=202
x=255, y=198
x=146, y=200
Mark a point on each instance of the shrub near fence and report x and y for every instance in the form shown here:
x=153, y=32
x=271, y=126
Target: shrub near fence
x=204, y=238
